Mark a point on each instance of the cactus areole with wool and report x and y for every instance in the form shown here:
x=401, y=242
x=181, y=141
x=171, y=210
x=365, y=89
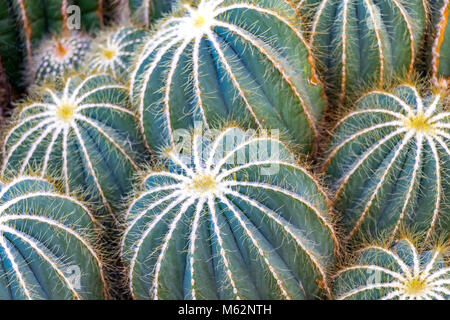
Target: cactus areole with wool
x=388, y=164
x=47, y=246
x=399, y=273
x=220, y=61
x=213, y=227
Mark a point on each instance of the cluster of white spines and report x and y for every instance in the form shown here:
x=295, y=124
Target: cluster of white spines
x=60, y=55
x=203, y=184
x=413, y=281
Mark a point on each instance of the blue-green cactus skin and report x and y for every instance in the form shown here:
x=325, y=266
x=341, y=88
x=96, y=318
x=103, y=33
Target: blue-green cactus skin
x=388, y=165
x=440, y=48
x=47, y=245
x=398, y=273
x=212, y=227
x=209, y=63
x=146, y=12
x=361, y=43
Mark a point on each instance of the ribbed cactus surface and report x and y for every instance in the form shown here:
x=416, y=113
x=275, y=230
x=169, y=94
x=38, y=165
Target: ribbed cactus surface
x=388, y=164
x=146, y=12
x=59, y=56
x=365, y=42
x=236, y=219
x=398, y=273
x=441, y=45
x=219, y=61
x=82, y=134
x=47, y=246
x=113, y=51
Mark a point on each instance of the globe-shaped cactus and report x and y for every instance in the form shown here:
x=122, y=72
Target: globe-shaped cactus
x=58, y=56
x=82, y=135
x=388, y=164
x=440, y=50
x=236, y=219
x=364, y=42
x=398, y=273
x=146, y=12
x=113, y=51
x=209, y=63
x=47, y=244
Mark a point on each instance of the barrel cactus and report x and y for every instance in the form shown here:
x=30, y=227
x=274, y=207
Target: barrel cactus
x=47, y=244
x=81, y=134
x=364, y=42
x=387, y=164
x=113, y=51
x=397, y=273
x=441, y=45
x=146, y=12
x=236, y=219
x=209, y=63
x=58, y=56
x=24, y=23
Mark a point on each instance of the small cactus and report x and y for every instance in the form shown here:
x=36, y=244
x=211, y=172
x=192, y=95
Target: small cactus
x=387, y=164
x=81, y=134
x=363, y=42
x=210, y=63
x=237, y=219
x=59, y=56
x=397, y=273
x=113, y=51
x=46, y=244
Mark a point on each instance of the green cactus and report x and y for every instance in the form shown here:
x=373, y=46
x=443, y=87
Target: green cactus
x=440, y=50
x=211, y=63
x=387, y=164
x=145, y=12
x=113, y=51
x=59, y=56
x=397, y=273
x=80, y=133
x=360, y=43
x=47, y=248
x=24, y=23
x=236, y=219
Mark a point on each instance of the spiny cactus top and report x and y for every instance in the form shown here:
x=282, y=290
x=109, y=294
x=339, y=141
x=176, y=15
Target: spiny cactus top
x=146, y=12
x=364, y=42
x=113, y=51
x=388, y=164
x=399, y=273
x=238, y=60
x=441, y=46
x=81, y=134
x=46, y=244
x=235, y=220
x=59, y=55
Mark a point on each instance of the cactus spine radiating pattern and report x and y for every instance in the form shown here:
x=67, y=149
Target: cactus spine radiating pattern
x=113, y=51
x=82, y=134
x=399, y=273
x=210, y=63
x=365, y=42
x=146, y=12
x=58, y=56
x=388, y=164
x=228, y=222
x=441, y=46
x=46, y=245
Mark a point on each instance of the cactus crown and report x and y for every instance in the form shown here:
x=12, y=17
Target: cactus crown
x=400, y=272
